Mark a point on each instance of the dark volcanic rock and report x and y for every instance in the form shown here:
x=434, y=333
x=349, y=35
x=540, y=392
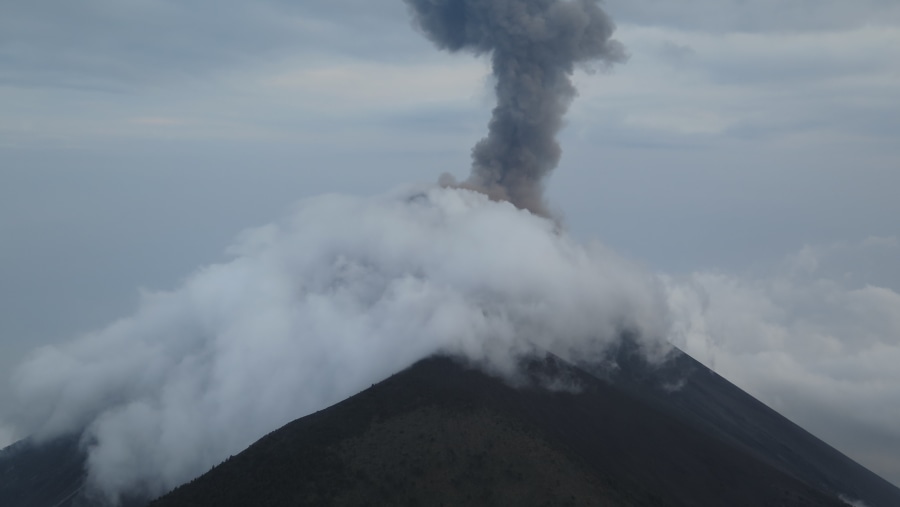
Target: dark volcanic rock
x=50, y=474
x=685, y=389
x=440, y=432
x=623, y=434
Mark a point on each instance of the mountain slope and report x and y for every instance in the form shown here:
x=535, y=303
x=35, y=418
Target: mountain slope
x=687, y=390
x=620, y=434
x=50, y=474
x=442, y=432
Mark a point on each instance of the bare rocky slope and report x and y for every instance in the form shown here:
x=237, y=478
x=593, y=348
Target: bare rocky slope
x=443, y=433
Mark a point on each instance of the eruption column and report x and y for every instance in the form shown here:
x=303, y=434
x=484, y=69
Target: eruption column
x=535, y=45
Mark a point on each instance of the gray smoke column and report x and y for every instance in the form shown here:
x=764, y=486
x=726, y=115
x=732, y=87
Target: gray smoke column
x=535, y=45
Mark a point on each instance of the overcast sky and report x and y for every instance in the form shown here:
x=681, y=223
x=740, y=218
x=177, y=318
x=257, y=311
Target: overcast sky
x=747, y=153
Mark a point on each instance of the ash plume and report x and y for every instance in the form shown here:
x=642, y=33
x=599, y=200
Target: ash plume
x=535, y=46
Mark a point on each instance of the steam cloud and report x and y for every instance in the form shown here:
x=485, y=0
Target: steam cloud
x=347, y=290
x=535, y=45
x=339, y=295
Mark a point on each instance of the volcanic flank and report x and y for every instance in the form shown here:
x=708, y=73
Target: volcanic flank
x=443, y=432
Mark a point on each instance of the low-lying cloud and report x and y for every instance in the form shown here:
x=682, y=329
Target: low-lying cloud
x=340, y=294
x=818, y=339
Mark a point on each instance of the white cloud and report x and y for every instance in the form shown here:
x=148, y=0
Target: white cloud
x=313, y=309
x=819, y=348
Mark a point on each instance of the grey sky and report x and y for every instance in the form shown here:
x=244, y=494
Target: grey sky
x=747, y=150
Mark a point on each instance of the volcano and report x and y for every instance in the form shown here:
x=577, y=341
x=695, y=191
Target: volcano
x=443, y=432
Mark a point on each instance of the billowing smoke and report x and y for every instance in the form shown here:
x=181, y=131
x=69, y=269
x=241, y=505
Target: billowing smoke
x=347, y=290
x=535, y=45
x=337, y=296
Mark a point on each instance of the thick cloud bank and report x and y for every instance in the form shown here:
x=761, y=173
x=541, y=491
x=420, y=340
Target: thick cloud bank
x=817, y=338
x=342, y=293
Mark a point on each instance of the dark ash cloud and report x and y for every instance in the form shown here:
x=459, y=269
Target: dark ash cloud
x=535, y=46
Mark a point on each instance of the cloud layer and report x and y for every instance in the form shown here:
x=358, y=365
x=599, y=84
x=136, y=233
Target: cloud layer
x=337, y=296
x=759, y=15
x=818, y=339
x=103, y=44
